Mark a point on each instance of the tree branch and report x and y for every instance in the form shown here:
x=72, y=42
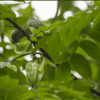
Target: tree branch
x=45, y=54
x=18, y=27
x=28, y=37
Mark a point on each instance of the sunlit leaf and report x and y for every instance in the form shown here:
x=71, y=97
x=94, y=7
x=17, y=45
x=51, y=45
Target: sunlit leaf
x=3, y=64
x=33, y=38
x=40, y=34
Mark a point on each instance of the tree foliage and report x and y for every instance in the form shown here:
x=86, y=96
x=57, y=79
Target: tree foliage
x=63, y=46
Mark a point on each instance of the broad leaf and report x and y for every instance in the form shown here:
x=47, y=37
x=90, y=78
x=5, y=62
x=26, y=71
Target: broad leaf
x=42, y=28
x=33, y=38
x=5, y=10
x=94, y=34
x=53, y=46
x=91, y=49
x=97, y=3
x=49, y=72
x=62, y=57
x=19, y=95
x=40, y=43
x=81, y=65
x=21, y=46
x=40, y=34
x=63, y=71
x=33, y=73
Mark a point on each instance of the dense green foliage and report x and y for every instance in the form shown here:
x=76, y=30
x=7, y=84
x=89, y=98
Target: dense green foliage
x=63, y=46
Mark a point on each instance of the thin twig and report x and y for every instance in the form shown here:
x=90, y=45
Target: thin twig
x=23, y=55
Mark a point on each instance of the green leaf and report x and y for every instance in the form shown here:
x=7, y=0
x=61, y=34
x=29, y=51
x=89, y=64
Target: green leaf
x=95, y=74
x=72, y=47
x=33, y=73
x=3, y=64
x=18, y=63
x=27, y=28
x=40, y=43
x=63, y=71
x=13, y=67
x=97, y=3
x=33, y=38
x=91, y=49
x=21, y=77
x=2, y=59
x=96, y=17
x=1, y=26
x=42, y=28
x=62, y=57
x=35, y=31
x=21, y=20
x=81, y=65
x=83, y=20
x=21, y=46
x=3, y=44
x=16, y=75
x=19, y=95
x=1, y=99
x=49, y=72
x=8, y=84
x=27, y=12
x=94, y=34
x=53, y=46
x=34, y=22
x=6, y=81
x=67, y=37
x=40, y=34
x=5, y=9
x=30, y=48
x=24, y=64
x=52, y=30
x=43, y=89
x=11, y=53
x=83, y=86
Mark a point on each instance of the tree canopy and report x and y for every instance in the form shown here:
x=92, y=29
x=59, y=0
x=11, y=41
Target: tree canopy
x=59, y=49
